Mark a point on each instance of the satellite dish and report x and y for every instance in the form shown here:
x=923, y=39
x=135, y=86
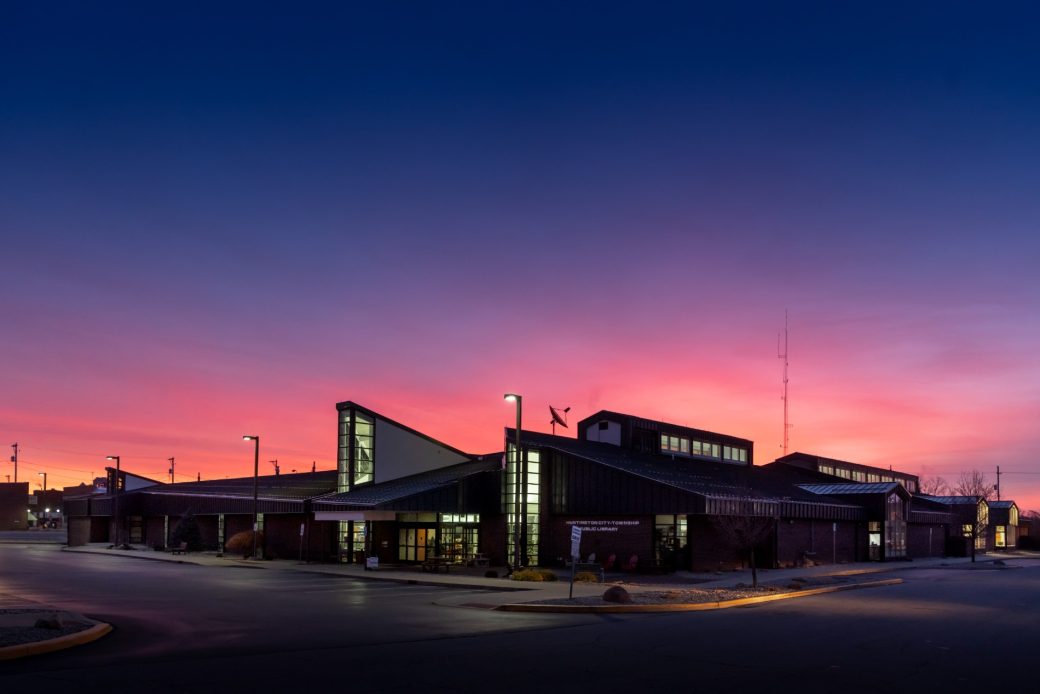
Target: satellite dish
x=557, y=418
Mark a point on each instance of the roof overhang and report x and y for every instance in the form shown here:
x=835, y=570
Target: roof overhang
x=355, y=515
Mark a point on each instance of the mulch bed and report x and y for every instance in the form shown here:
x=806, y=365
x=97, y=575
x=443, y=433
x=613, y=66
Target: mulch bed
x=18, y=635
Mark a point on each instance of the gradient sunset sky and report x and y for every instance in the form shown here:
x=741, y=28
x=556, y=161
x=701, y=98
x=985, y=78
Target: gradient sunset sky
x=220, y=222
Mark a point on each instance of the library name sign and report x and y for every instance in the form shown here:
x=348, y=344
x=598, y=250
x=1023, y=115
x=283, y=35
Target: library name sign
x=602, y=526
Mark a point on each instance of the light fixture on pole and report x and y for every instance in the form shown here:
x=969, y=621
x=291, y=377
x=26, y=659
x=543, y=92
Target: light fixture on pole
x=114, y=492
x=519, y=526
x=256, y=478
x=44, y=476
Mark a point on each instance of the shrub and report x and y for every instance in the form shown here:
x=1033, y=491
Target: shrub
x=187, y=530
x=586, y=577
x=534, y=575
x=242, y=543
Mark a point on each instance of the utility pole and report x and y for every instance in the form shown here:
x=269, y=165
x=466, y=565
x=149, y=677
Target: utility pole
x=14, y=459
x=172, y=479
x=998, y=483
x=277, y=470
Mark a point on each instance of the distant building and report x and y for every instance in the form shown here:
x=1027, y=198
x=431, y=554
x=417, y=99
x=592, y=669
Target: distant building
x=14, y=505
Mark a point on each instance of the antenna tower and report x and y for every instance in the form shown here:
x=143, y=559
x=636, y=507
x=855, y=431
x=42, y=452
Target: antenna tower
x=783, y=356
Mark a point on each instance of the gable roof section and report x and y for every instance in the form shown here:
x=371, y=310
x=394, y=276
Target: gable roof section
x=855, y=488
x=403, y=487
x=350, y=404
x=952, y=500
x=302, y=485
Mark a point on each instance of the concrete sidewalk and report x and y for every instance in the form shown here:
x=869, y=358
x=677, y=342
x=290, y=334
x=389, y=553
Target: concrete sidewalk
x=501, y=591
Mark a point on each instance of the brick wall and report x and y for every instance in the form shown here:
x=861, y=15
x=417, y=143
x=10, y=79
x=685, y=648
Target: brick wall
x=153, y=531
x=622, y=536
x=918, y=543
x=816, y=541
x=79, y=531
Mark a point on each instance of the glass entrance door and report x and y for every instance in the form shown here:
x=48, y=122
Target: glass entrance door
x=874, y=541
x=416, y=544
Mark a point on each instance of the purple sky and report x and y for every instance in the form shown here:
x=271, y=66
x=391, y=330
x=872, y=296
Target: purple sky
x=223, y=223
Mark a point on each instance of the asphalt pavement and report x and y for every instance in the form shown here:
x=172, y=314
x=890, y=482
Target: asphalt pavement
x=19, y=616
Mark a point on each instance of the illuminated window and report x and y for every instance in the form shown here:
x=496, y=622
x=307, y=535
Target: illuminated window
x=710, y=450
x=734, y=453
x=859, y=476
x=826, y=469
x=529, y=489
x=355, y=460
x=1001, y=536
x=1013, y=515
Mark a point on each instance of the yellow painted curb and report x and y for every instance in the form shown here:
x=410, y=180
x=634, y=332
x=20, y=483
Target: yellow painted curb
x=24, y=650
x=692, y=607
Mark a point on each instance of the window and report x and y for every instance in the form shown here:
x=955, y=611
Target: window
x=1001, y=536
x=826, y=469
x=355, y=459
x=1013, y=516
x=530, y=490
x=734, y=453
x=604, y=425
x=710, y=450
x=873, y=477
x=859, y=476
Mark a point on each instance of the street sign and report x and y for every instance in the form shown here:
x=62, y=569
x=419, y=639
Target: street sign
x=575, y=541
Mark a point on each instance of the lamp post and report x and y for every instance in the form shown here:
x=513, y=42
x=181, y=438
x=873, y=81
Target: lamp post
x=519, y=526
x=115, y=497
x=256, y=477
x=44, y=476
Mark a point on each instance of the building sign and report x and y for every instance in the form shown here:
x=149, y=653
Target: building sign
x=602, y=526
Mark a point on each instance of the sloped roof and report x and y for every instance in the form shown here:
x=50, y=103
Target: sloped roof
x=302, y=485
x=952, y=500
x=843, y=488
x=707, y=478
x=1001, y=504
x=403, y=487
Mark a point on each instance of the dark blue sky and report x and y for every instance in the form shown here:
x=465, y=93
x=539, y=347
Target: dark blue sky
x=275, y=207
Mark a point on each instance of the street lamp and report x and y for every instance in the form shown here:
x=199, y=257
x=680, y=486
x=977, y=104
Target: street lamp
x=256, y=476
x=44, y=476
x=115, y=496
x=519, y=527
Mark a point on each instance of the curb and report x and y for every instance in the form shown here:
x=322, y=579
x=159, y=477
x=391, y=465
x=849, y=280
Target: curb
x=80, y=638
x=691, y=607
x=368, y=576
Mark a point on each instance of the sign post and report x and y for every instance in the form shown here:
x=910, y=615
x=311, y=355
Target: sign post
x=575, y=553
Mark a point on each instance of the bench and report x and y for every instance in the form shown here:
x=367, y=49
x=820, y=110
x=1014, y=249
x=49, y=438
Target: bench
x=435, y=564
x=180, y=549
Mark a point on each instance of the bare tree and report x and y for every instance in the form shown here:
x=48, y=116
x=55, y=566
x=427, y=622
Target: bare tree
x=974, y=483
x=934, y=486
x=745, y=531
